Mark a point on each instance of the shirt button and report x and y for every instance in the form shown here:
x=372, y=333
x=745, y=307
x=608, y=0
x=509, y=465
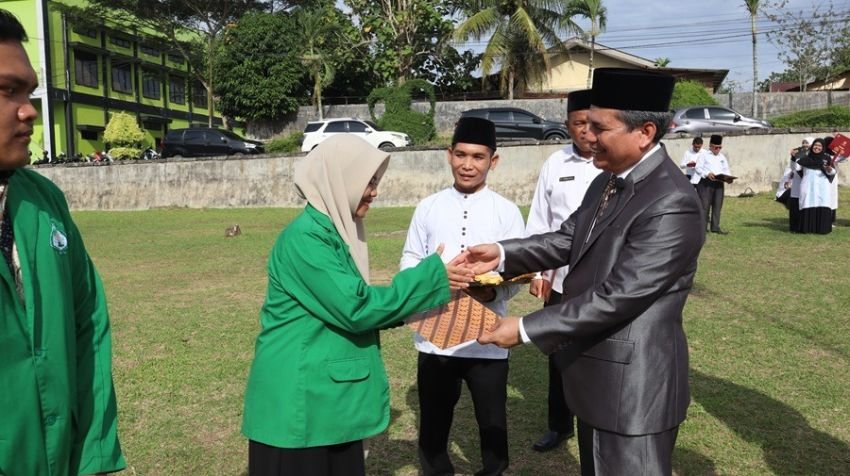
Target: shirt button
x=39, y=352
x=50, y=420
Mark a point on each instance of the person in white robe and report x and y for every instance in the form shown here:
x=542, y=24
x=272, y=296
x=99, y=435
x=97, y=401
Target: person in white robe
x=465, y=214
x=816, y=190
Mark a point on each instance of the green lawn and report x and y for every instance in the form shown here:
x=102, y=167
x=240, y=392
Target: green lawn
x=767, y=324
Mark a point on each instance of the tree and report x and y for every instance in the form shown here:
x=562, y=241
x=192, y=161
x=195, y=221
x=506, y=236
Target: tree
x=123, y=136
x=753, y=9
x=258, y=73
x=192, y=27
x=521, y=34
x=662, y=62
x=315, y=29
x=403, y=35
x=598, y=16
x=814, y=44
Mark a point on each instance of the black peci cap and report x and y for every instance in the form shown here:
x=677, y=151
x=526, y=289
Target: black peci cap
x=716, y=140
x=632, y=89
x=475, y=130
x=578, y=100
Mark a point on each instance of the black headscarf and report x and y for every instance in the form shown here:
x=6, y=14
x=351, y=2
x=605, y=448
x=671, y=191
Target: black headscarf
x=816, y=160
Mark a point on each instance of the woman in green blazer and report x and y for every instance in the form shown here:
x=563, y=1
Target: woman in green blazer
x=317, y=386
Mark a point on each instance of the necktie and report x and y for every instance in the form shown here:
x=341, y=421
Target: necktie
x=607, y=193
x=7, y=237
x=610, y=189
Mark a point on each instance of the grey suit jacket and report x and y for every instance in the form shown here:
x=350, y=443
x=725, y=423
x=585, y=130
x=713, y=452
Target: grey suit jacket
x=624, y=355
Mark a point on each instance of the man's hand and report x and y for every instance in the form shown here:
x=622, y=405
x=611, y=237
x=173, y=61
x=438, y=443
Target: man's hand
x=711, y=176
x=459, y=275
x=482, y=258
x=540, y=288
x=692, y=164
x=505, y=334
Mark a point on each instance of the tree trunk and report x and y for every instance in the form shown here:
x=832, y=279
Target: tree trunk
x=317, y=92
x=511, y=84
x=210, y=106
x=755, y=66
x=590, y=62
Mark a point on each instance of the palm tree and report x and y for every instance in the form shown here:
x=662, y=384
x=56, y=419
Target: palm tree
x=315, y=29
x=753, y=8
x=521, y=32
x=598, y=16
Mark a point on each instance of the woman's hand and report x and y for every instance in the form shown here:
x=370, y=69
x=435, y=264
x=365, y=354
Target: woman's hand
x=459, y=274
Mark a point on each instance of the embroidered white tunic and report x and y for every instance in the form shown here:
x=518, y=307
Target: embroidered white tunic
x=458, y=221
x=561, y=186
x=708, y=162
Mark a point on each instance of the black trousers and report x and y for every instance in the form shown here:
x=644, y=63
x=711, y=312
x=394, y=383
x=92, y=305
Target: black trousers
x=439, y=383
x=345, y=459
x=559, y=417
x=603, y=453
x=711, y=196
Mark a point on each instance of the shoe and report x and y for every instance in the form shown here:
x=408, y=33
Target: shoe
x=720, y=232
x=551, y=440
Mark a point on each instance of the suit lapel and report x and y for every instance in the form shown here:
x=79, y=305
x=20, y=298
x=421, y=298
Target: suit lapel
x=621, y=199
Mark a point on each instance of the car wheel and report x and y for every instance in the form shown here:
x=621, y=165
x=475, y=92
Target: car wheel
x=555, y=137
x=176, y=156
x=238, y=154
x=386, y=146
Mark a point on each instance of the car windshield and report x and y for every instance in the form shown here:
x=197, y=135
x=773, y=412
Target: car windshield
x=312, y=127
x=373, y=126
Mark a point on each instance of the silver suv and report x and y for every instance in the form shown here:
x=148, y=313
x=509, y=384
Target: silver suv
x=697, y=119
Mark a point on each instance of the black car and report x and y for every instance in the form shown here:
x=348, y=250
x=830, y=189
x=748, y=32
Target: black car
x=513, y=124
x=205, y=141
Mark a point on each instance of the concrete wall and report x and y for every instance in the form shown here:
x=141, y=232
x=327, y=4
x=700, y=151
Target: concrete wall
x=446, y=113
x=266, y=181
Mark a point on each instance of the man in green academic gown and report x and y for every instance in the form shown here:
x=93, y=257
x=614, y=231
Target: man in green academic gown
x=57, y=402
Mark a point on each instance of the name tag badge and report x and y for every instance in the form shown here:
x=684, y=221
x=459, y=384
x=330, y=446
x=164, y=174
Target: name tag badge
x=566, y=179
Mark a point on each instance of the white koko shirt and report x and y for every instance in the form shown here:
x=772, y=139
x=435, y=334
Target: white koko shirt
x=458, y=221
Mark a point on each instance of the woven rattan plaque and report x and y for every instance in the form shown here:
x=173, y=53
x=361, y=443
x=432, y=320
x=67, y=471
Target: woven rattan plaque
x=460, y=320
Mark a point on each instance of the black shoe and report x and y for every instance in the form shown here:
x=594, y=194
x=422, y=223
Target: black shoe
x=551, y=440
x=720, y=232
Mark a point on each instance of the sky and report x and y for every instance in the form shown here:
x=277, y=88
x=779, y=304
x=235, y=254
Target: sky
x=703, y=34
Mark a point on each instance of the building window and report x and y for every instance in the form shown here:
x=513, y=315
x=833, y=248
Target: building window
x=199, y=95
x=151, y=85
x=122, y=77
x=120, y=41
x=88, y=135
x=175, y=58
x=149, y=50
x=177, y=90
x=85, y=31
x=85, y=69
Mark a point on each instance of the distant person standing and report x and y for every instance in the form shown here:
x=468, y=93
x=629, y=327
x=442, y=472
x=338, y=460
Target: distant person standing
x=710, y=175
x=689, y=158
x=563, y=181
x=794, y=199
x=815, y=190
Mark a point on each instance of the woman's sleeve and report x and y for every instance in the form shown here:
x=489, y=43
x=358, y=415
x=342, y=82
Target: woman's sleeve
x=322, y=279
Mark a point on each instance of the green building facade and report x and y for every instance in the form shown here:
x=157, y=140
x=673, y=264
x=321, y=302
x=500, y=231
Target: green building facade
x=87, y=72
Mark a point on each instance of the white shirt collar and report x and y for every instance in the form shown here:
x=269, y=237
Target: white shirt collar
x=572, y=154
x=469, y=196
x=651, y=151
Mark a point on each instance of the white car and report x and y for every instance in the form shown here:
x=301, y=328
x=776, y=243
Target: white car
x=317, y=131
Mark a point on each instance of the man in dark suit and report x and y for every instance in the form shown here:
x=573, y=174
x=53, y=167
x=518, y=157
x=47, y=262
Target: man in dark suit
x=632, y=248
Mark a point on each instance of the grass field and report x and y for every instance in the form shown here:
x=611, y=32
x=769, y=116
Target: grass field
x=767, y=322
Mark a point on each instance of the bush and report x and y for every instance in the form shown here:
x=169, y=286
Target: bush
x=690, y=93
x=835, y=116
x=287, y=144
x=399, y=116
x=123, y=137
